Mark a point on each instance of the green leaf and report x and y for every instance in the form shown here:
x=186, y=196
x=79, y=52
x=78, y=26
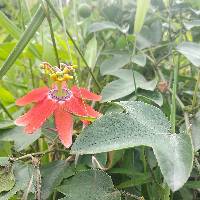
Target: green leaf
x=149, y=35
x=125, y=85
x=21, y=139
x=23, y=174
x=6, y=124
x=139, y=59
x=14, y=31
x=7, y=178
x=135, y=182
x=5, y=149
x=192, y=24
x=112, y=64
x=91, y=52
x=154, y=96
x=6, y=97
x=25, y=38
x=91, y=184
x=141, y=11
x=193, y=184
x=56, y=171
x=140, y=124
x=196, y=131
x=100, y=26
x=4, y=161
x=191, y=51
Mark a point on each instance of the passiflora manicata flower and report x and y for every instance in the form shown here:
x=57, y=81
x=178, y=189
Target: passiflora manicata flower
x=59, y=101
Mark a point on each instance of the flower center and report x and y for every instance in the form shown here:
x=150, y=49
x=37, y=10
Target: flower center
x=66, y=95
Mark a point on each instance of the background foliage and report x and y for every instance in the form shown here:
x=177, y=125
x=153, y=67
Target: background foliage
x=143, y=57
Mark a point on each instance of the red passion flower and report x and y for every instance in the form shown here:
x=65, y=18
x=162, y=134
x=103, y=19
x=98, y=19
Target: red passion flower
x=62, y=103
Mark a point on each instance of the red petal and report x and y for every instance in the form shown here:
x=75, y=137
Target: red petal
x=75, y=106
x=91, y=112
x=33, y=96
x=64, y=125
x=85, y=94
x=40, y=114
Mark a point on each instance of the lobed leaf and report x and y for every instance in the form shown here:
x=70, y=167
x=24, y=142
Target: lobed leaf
x=141, y=124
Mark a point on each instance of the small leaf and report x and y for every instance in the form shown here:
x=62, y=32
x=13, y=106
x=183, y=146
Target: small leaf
x=196, y=131
x=23, y=173
x=91, y=53
x=91, y=184
x=7, y=178
x=192, y=24
x=6, y=124
x=191, y=51
x=125, y=85
x=140, y=124
x=141, y=11
x=21, y=140
x=24, y=40
x=4, y=161
x=100, y=26
x=112, y=64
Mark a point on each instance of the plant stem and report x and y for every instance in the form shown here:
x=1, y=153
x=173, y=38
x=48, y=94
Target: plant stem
x=194, y=100
x=6, y=110
x=174, y=92
x=47, y=13
x=75, y=45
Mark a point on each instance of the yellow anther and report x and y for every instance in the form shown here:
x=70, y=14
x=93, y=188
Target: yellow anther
x=53, y=76
x=67, y=77
x=65, y=70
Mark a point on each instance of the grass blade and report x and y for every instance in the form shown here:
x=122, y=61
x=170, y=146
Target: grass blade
x=24, y=40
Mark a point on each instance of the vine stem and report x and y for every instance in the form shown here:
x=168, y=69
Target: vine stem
x=47, y=13
x=75, y=45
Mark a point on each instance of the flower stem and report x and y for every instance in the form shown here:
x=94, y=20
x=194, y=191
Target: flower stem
x=47, y=13
x=75, y=45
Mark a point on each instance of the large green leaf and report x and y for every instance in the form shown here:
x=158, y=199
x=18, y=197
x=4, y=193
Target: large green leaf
x=24, y=40
x=141, y=11
x=56, y=169
x=21, y=139
x=191, y=51
x=140, y=124
x=149, y=35
x=91, y=53
x=91, y=184
x=23, y=173
x=125, y=85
